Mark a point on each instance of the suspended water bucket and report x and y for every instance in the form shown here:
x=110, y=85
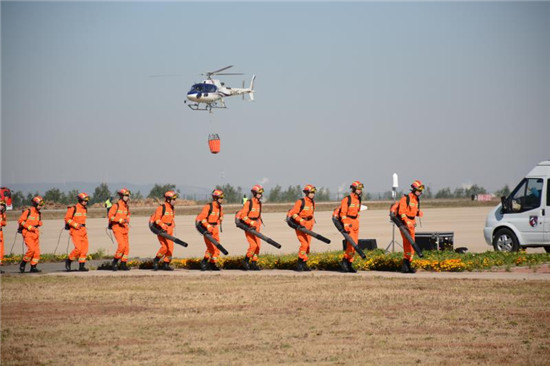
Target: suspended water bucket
x=214, y=143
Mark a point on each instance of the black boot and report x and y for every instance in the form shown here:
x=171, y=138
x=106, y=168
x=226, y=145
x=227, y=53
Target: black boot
x=214, y=267
x=410, y=267
x=115, y=264
x=254, y=266
x=405, y=266
x=245, y=262
x=22, y=266
x=124, y=267
x=300, y=265
x=305, y=267
x=350, y=266
x=156, y=264
x=34, y=269
x=167, y=267
x=82, y=267
x=204, y=264
x=68, y=264
x=344, y=265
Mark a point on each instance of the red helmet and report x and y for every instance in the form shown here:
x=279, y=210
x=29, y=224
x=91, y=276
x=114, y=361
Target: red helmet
x=217, y=193
x=417, y=186
x=309, y=189
x=357, y=185
x=170, y=195
x=83, y=197
x=38, y=201
x=123, y=192
x=257, y=189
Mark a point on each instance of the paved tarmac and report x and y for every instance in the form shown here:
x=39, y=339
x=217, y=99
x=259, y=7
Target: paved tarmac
x=466, y=223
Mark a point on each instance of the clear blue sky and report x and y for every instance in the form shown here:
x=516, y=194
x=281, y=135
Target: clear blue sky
x=449, y=93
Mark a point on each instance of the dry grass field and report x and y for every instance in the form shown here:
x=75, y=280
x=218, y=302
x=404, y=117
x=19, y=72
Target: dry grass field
x=264, y=318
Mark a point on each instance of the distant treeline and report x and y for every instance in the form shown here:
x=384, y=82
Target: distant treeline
x=235, y=194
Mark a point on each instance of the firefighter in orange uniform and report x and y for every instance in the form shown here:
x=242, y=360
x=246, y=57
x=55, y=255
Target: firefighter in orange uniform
x=408, y=210
x=349, y=217
x=303, y=214
x=210, y=219
x=29, y=222
x=3, y=222
x=75, y=220
x=250, y=215
x=163, y=218
x=119, y=221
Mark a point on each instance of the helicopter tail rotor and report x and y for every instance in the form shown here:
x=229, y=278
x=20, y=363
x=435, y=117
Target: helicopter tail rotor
x=251, y=94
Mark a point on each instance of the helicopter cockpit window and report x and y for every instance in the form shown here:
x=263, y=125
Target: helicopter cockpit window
x=203, y=88
x=209, y=88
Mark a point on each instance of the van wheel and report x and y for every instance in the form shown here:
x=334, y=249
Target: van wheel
x=505, y=241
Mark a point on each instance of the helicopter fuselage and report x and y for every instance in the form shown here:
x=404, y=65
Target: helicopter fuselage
x=213, y=90
x=205, y=92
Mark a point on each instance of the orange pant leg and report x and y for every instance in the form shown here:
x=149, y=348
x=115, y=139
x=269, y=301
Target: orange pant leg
x=32, y=241
x=354, y=233
x=126, y=247
x=212, y=252
x=166, y=249
x=170, y=252
x=209, y=250
x=75, y=252
x=305, y=241
x=121, y=236
x=1, y=247
x=163, y=247
x=80, y=240
x=83, y=245
x=408, y=250
x=253, y=246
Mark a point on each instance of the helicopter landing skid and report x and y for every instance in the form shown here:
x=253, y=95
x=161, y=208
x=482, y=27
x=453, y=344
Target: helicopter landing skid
x=204, y=107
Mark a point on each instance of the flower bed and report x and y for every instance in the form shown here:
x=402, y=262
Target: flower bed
x=376, y=260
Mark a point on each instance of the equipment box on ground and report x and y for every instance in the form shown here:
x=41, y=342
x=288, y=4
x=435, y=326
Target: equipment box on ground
x=435, y=241
x=364, y=244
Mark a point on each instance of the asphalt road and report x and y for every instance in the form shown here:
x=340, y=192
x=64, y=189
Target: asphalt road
x=57, y=269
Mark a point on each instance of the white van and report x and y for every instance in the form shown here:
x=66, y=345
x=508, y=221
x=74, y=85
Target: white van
x=521, y=220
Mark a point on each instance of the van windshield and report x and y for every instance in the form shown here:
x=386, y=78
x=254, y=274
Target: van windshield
x=527, y=195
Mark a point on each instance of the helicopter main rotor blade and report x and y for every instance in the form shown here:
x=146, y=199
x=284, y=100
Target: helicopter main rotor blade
x=163, y=75
x=208, y=73
x=229, y=73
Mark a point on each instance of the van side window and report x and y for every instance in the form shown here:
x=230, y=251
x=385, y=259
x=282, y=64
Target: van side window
x=548, y=192
x=527, y=195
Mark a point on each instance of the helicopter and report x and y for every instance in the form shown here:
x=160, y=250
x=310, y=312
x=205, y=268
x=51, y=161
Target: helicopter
x=210, y=92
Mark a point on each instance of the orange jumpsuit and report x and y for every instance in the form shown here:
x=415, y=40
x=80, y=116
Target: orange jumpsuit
x=30, y=220
x=165, y=222
x=408, y=214
x=119, y=216
x=76, y=219
x=210, y=216
x=306, y=219
x=3, y=222
x=252, y=212
x=349, y=215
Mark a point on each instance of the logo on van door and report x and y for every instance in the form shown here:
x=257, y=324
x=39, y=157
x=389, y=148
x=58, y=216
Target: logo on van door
x=533, y=220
